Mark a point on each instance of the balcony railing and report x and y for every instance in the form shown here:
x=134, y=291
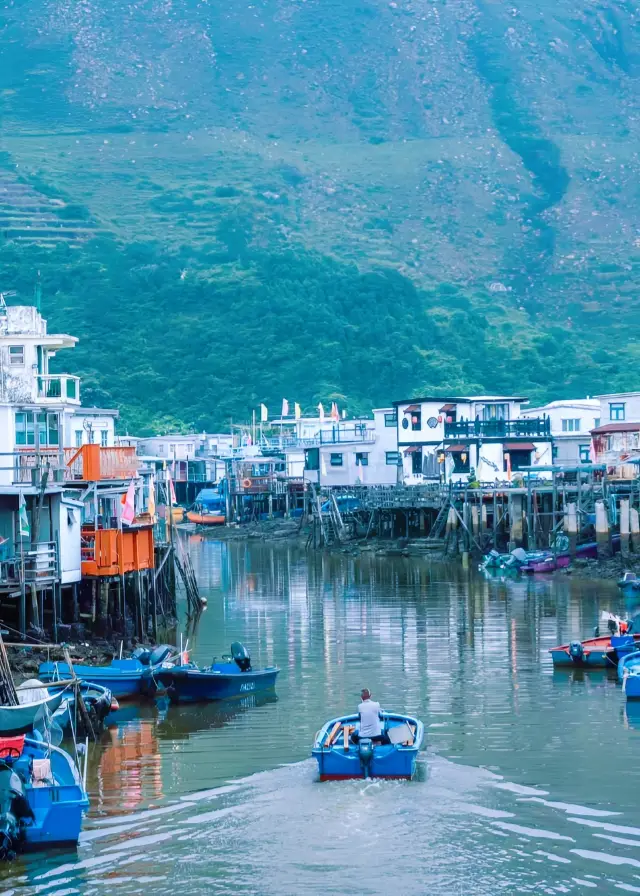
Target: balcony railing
x=38, y=561
x=92, y=463
x=535, y=427
x=59, y=388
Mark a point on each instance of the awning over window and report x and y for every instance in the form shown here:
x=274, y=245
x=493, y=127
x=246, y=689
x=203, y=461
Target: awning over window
x=411, y=408
x=456, y=449
x=412, y=449
x=447, y=407
x=519, y=446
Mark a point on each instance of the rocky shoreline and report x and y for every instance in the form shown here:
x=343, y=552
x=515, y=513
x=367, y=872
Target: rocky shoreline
x=25, y=660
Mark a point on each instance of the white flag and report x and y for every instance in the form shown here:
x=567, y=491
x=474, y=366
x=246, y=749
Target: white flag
x=321, y=412
x=285, y=408
x=323, y=464
x=297, y=411
x=24, y=529
x=264, y=413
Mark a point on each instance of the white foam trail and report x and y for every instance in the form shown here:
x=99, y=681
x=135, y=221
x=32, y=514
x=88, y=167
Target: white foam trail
x=570, y=808
x=584, y=883
x=145, y=841
x=552, y=856
x=209, y=794
x=606, y=857
x=520, y=788
x=605, y=826
x=532, y=832
x=628, y=887
x=475, y=809
x=87, y=836
x=623, y=840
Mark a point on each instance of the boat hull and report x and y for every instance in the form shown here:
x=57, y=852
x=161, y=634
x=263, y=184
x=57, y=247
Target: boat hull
x=629, y=675
x=206, y=519
x=395, y=761
x=193, y=685
x=603, y=652
x=124, y=678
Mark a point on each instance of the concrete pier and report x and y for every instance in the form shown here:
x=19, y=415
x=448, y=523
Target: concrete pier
x=603, y=533
x=571, y=527
x=635, y=530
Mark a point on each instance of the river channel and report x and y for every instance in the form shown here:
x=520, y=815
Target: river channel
x=530, y=782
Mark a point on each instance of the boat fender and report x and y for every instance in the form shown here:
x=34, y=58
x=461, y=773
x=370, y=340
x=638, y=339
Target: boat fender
x=365, y=750
x=576, y=651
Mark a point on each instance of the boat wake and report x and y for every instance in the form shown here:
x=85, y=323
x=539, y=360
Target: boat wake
x=282, y=832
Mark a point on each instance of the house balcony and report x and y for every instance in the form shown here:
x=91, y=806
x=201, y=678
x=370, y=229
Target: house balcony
x=92, y=463
x=340, y=435
x=113, y=552
x=58, y=389
x=523, y=428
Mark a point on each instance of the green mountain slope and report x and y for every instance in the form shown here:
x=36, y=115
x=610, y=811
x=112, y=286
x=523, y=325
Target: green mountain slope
x=359, y=198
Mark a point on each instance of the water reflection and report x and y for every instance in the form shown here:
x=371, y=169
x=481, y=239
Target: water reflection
x=223, y=796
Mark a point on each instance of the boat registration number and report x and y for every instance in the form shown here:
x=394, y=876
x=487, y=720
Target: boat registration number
x=248, y=686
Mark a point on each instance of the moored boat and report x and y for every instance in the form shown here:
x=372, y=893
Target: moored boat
x=339, y=759
x=98, y=701
x=233, y=677
x=599, y=652
x=125, y=678
x=34, y=707
x=42, y=796
x=629, y=675
x=629, y=584
x=208, y=509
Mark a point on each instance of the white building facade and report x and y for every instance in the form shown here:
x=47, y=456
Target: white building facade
x=616, y=440
x=571, y=423
x=359, y=451
x=457, y=439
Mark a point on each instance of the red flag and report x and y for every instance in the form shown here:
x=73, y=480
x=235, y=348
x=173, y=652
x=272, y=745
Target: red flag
x=172, y=491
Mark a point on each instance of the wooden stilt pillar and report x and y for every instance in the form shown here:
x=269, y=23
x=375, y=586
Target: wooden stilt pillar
x=625, y=527
x=635, y=530
x=571, y=527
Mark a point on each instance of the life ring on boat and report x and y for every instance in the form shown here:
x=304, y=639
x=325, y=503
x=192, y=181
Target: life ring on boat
x=246, y=483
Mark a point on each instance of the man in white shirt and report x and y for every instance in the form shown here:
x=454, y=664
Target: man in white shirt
x=370, y=724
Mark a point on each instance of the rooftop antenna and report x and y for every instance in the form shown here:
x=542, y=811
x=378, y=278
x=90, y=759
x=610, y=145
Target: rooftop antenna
x=37, y=293
x=7, y=294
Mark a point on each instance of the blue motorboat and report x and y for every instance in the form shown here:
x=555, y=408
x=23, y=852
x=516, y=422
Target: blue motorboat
x=125, y=678
x=233, y=677
x=338, y=758
x=629, y=584
x=42, y=796
x=98, y=700
x=629, y=675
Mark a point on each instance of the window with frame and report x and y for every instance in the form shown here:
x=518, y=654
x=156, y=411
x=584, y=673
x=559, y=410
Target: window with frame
x=392, y=458
x=78, y=433
x=104, y=438
x=617, y=410
x=495, y=412
x=335, y=460
x=362, y=459
x=416, y=420
x=16, y=356
x=37, y=429
x=585, y=454
x=571, y=425
x=596, y=422
x=312, y=459
x=391, y=419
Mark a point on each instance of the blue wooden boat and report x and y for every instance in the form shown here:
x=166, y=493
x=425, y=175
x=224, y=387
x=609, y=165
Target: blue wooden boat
x=339, y=759
x=233, y=677
x=125, y=678
x=629, y=675
x=98, y=700
x=42, y=796
x=629, y=584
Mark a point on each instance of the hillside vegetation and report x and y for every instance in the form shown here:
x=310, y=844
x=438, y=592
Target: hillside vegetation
x=359, y=199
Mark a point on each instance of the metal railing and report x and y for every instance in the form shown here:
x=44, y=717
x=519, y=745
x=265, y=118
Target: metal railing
x=62, y=387
x=534, y=427
x=38, y=561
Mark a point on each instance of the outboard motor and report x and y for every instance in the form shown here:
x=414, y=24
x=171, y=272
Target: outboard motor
x=240, y=656
x=576, y=651
x=159, y=654
x=365, y=749
x=142, y=654
x=13, y=809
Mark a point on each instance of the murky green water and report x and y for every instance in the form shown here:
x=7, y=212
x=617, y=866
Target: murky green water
x=530, y=783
